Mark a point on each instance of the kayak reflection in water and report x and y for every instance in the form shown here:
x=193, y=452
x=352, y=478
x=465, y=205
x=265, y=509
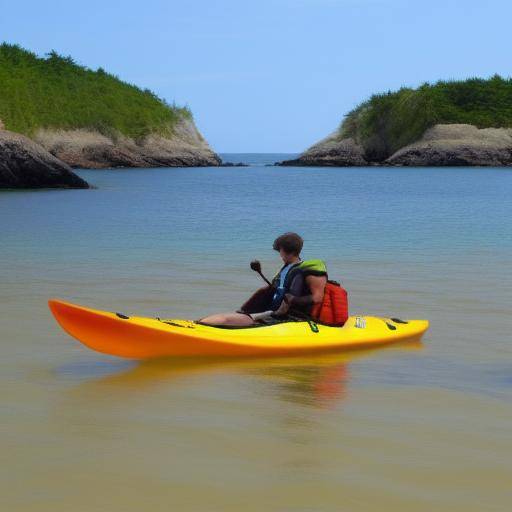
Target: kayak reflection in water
x=292, y=294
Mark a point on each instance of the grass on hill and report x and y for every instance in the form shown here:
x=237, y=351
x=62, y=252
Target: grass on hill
x=387, y=122
x=55, y=92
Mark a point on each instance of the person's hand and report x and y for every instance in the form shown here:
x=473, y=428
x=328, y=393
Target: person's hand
x=285, y=306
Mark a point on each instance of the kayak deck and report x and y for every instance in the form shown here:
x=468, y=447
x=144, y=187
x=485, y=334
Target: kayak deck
x=140, y=337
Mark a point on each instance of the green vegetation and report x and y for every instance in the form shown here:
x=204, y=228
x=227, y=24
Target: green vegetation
x=387, y=122
x=54, y=92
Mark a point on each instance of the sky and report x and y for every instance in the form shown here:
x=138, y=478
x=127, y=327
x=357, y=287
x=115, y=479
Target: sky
x=269, y=76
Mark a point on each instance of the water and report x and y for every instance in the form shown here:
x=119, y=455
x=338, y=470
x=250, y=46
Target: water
x=409, y=428
x=257, y=159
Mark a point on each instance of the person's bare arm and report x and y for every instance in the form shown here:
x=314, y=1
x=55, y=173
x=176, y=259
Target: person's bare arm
x=316, y=285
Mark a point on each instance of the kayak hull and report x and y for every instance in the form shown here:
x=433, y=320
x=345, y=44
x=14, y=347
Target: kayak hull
x=142, y=338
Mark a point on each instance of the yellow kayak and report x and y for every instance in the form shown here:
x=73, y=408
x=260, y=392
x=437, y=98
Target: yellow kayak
x=138, y=337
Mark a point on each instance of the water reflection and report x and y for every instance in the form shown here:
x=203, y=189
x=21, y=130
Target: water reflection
x=319, y=386
x=315, y=380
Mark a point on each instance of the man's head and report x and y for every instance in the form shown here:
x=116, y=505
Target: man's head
x=289, y=246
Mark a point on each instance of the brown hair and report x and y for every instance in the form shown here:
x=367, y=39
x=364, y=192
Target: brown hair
x=291, y=243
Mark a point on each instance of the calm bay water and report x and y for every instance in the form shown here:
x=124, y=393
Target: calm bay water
x=412, y=428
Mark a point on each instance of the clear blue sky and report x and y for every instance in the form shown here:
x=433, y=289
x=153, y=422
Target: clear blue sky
x=269, y=76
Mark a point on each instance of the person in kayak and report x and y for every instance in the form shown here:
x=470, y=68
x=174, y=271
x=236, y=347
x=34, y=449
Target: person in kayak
x=296, y=288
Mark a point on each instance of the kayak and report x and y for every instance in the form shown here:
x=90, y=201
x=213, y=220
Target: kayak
x=117, y=334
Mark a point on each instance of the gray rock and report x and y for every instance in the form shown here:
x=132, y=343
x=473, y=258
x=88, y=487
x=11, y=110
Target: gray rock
x=331, y=152
x=233, y=164
x=25, y=164
x=457, y=145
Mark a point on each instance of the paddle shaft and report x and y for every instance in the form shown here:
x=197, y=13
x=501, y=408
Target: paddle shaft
x=264, y=278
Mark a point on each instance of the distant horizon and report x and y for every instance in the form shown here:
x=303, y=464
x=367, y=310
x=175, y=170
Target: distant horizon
x=258, y=153
x=271, y=75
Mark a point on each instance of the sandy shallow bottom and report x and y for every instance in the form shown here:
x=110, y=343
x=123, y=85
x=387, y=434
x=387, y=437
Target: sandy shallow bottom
x=409, y=428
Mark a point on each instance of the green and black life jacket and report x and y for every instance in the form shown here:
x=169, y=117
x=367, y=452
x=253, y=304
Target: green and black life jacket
x=307, y=268
x=333, y=310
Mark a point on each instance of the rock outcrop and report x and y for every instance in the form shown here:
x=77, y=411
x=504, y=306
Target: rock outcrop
x=25, y=164
x=441, y=145
x=233, y=164
x=90, y=149
x=457, y=145
x=331, y=151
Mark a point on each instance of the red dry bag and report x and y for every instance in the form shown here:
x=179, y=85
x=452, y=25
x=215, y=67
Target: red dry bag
x=333, y=310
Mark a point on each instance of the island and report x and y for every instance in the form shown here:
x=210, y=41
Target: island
x=449, y=123
x=86, y=118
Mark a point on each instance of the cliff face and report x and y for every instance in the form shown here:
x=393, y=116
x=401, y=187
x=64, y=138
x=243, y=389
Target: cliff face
x=90, y=149
x=331, y=152
x=441, y=145
x=25, y=164
x=458, y=144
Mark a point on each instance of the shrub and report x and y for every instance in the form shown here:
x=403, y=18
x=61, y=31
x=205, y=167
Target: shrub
x=55, y=92
x=389, y=121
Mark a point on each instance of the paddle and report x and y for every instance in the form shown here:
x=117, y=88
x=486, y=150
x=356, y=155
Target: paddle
x=256, y=266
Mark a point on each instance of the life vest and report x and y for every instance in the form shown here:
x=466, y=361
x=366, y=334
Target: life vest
x=306, y=267
x=333, y=310
x=282, y=280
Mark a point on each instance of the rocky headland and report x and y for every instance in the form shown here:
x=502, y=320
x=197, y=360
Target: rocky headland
x=443, y=145
x=457, y=145
x=466, y=123
x=87, y=148
x=26, y=164
x=68, y=115
x=331, y=152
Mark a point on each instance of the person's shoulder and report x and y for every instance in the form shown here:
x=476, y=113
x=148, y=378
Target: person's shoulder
x=313, y=267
